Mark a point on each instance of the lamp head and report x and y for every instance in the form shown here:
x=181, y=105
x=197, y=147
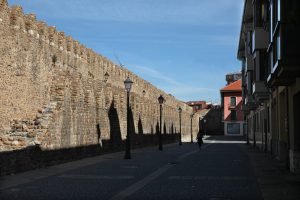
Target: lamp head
x=128, y=83
x=179, y=109
x=161, y=99
x=106, y=76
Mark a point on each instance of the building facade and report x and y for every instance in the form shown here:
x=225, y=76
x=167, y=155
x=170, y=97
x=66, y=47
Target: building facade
x=232, y=77
x=233, y=117
x=269, y=51
x=197, y=105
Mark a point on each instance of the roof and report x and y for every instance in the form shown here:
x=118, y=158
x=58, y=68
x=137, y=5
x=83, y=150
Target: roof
x=246, y=18
x=232, y=87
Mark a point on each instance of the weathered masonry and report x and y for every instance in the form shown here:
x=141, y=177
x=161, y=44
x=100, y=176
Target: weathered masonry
x=53, y=94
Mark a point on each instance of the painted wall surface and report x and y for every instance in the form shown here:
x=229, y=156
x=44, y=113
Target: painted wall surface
x=227, y=109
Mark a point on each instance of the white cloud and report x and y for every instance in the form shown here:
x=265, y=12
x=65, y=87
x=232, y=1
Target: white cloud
x=150, y=72
x=216, y=12
x=178, y=89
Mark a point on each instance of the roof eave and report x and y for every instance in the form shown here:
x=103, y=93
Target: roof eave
x=241, y=45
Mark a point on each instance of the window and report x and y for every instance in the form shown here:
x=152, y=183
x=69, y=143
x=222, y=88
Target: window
x=276, y=49
x=270, y=61
x=233, y=101
x=275, y=13
x=278, y=10
x=278, y=52
x=266, y=16
x=233, y=128
x=259, y=13
x=233, y=115
x=271, y=22
x=249, y=43
x=263, y=66
x=249, y=82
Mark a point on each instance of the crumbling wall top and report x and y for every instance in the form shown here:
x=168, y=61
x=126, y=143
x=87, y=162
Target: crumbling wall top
x=16, y=16
x=3, y=5
x=30, y=22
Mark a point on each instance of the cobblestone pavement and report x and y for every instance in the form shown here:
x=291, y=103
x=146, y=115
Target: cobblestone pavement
x=222, y=169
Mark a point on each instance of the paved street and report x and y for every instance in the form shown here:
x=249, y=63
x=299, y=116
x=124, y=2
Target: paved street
x=222, y=169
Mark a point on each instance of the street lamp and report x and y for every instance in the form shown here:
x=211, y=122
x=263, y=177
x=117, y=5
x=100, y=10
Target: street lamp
x=106, y=76
x=128, y=84
x=161, y=100
x=204, y=126
x=180, y=111
x=192, y=115
x=103, y=82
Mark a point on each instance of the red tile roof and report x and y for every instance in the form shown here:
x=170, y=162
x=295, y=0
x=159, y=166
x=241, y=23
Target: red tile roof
x=235, y=86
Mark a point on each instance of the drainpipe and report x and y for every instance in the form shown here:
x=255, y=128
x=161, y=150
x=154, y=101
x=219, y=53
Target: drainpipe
x=287, y=127
x=277, y=122
x=254, y=130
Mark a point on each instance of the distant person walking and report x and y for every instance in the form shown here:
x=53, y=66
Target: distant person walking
x=200, y=138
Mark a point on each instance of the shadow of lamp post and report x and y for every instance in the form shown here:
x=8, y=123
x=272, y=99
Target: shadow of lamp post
x=161, y=100
x=180, y=136
x=128, y=83
x=192, y=115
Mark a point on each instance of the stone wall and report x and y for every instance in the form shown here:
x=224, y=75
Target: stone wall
x=214, y=124
x=53, y=95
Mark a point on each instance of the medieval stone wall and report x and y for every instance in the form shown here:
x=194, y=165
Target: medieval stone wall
x=52, y=92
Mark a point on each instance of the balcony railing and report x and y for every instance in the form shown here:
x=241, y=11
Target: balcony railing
x=231, y=106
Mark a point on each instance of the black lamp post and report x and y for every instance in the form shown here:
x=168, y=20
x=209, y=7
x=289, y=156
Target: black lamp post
x=192, y=115
x=106, y=76
x=180, y=111
x=204, y=126
x=161, y=100
x=128, y=84
x=104, y=81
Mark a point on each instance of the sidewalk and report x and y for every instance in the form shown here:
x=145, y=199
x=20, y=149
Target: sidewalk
x=275, y=181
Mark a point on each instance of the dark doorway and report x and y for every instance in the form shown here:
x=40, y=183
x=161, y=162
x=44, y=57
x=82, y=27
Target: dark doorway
x=296, y=102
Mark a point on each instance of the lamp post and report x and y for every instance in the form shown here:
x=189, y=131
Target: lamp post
x=106, y=76
x=204, y=126
x=128, y=84
x=161, y=100
x=180, y=111
x=103, y=82
x=192, y=115
x=142, y=105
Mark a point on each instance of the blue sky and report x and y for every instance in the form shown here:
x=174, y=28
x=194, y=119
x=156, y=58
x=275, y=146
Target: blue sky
x=184, y=47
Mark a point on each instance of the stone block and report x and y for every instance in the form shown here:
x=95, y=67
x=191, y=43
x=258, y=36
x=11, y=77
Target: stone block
x=32, y=134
